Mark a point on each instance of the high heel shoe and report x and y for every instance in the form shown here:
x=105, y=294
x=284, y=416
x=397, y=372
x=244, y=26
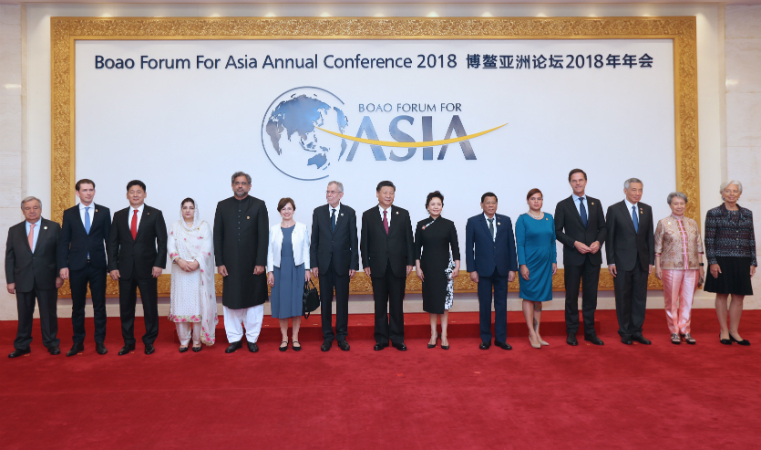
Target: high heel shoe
x=689, y=339
x=675, y=339
x=444, y=347
x=434, y=342
x=743, y=342
x=537, y=346
x=725, y=341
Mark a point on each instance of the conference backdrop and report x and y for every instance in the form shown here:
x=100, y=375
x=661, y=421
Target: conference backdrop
x=449, y=113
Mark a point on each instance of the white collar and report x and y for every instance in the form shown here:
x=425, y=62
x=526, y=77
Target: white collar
x=629, y=204
x=92, y=205
x=576, y=197
x=487, y=217
x=337, y=208
x=380, y=208
x=139, y=208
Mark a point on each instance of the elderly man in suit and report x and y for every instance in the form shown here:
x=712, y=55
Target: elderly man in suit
x=631, y=258
x=335, y=260
x=82, y=261
x=580, y=227
x=492, y=262
x=31, y=273
x=388, y=255
x=136, y=256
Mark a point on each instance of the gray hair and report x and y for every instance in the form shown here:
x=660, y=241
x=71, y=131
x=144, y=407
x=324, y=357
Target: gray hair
x=677, y=194
x=727, y=183
x=240, y=174
x=339, y=186
x=29, y=199
x=632, y=180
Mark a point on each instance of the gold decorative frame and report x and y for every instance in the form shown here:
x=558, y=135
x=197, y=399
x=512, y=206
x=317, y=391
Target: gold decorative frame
x=65, y=31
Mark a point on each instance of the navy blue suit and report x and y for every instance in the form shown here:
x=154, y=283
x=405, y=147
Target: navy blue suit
x=493, y=260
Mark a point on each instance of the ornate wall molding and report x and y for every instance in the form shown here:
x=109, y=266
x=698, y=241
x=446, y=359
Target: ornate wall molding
x=65, y=31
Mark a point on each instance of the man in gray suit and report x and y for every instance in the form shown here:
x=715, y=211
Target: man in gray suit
x=31, y=273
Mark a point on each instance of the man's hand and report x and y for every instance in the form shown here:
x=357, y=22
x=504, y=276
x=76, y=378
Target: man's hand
x=581, y=247
x=650, y=269
x=474, y=276
x=222, y=270
x=64, y=273
x=367, y=271
x=409, y=269
x=315, y=272
x=612, y=270
x=258, y=270
x=58, y=282
x=511, y=276
x=156, y=272
x=114, y=275
x=11, y=288
x=595, y=247
x=352, y=272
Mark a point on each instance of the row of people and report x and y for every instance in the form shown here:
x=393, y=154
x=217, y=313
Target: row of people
x=251, y=255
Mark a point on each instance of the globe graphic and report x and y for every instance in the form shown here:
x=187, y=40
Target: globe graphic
x=291, y=140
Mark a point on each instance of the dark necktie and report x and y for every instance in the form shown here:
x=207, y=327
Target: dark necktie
x=583, y=212
x=133, y=226
x=635, y=219
x=491, y=228
x=385, y=222
x=333, y=220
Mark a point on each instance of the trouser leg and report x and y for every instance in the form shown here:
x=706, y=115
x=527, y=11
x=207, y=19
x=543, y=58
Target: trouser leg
x=572, y=281
x=500, y=308
x=149, y=298
x=253, y=319
x=484, y=307
x=672, y=280
x=380, y=297
x=639, y=300
x=233, y=323
x=25, y=308
x=78, y=284
x=686, y=297
x=183, y=332
x=97, y=281
x=196, y=333
x=342, y=283
x=326, y=303
x=622, y=286
x=396, y=307
x=127, y=301
x=47, y=300
x=590, y=281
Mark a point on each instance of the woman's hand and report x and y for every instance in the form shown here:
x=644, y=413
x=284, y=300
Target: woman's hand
x=455, y=272
x=658, y=272
x=752, y=271
x=524, y=272
x=184, y=265
x=716, y=270
x=554, y=268
x=307, y=275
x=270, y=279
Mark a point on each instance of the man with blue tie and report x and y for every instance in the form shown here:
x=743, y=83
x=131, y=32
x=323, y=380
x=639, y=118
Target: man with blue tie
x=492, y=262
x=82, y=261
x=631, y=257
x=580, y=227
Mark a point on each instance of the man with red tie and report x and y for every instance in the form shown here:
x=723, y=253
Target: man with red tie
x=136, y=256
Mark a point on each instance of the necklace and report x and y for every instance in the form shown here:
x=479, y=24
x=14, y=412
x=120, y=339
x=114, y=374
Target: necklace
x=535, y=217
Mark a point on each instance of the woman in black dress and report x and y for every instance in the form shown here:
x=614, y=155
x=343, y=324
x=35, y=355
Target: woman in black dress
x=436, y=268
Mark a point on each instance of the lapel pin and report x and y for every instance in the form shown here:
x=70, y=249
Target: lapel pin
x=248, y=217
x=397, y=213
x=96, y=210
x=499, y=223
x=593, y=203
x=44, y=228
x=342, y=214
x=423, y=227
x=147, y=214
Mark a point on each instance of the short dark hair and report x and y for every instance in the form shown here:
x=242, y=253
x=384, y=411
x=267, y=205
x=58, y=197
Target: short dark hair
x=489, y=194
x=136, y=183
x=570, y=174
x=382, y=184
x=432, y=195
x=188, y=200
x=284, y=201
x=532, y=192
x=85, y=181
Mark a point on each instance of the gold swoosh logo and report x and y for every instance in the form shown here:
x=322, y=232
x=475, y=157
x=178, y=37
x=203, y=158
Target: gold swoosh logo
x=411, y=144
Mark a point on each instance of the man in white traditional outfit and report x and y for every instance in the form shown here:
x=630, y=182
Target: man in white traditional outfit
x=241, y=235
x=193, y=305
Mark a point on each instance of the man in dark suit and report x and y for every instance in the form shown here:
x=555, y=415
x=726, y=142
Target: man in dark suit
x=492, y=262
x=580, y=227
x=335, y=260
x=388, y=254
x=136, y=256
x=631, y=255
x=31, y=272
x=82, y=261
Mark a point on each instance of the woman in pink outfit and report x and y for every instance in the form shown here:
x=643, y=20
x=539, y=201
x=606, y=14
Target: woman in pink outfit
x=679, y=264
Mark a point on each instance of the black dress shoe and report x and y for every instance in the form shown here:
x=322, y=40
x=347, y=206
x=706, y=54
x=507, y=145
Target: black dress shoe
x=593, y=339
x=184, y=349
x=78, y=347
x=326, y=344
x=641, y=339
x=149, y=349
x=233, y=347
x=626, y=340
x=100, y=348
x=572, y=340
x=379, y=347
x=16, y=353
x=725, y=341
x=484, y=345
x=55, y=350
x=744, y=342
x=296, y=349
x=343, y=345
x=252, y=347
x=126, y=349
x=401, y=347
x=503, y=345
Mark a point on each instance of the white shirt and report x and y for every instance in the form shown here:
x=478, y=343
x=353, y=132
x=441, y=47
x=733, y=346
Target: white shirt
x=494, y=221
x=629, y=207
x=388, y=214
x=338, y=211
x=91, y=213
x=132, y=213
x=578, y=204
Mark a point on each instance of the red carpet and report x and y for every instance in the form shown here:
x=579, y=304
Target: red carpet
x=611, y=397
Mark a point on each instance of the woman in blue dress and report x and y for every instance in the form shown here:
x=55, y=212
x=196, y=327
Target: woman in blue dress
x=288, y=270
x=537, y=257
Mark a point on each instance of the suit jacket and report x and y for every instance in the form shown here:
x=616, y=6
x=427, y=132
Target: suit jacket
x=379, y=248
x=624, y=245
x=339, y=246
x=32, y=270
x=485, y=255
x=75, y=244
x=569, y=228
x=137, y=257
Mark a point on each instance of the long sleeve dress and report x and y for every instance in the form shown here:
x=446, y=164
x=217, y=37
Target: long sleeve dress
x=435, y=239
x=535, y=242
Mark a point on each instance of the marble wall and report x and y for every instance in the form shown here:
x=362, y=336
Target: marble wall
x=742, y=44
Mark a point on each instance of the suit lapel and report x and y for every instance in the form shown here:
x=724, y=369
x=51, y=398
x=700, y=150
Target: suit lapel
x=41, y=235
x=575, y=212
x=78, y=220
x=628, y=215
x=143, y=217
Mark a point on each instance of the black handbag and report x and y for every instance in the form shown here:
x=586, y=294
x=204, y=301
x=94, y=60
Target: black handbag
x=311, y=300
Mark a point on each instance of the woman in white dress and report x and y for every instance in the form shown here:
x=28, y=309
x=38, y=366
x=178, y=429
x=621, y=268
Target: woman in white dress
x=193, y=300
